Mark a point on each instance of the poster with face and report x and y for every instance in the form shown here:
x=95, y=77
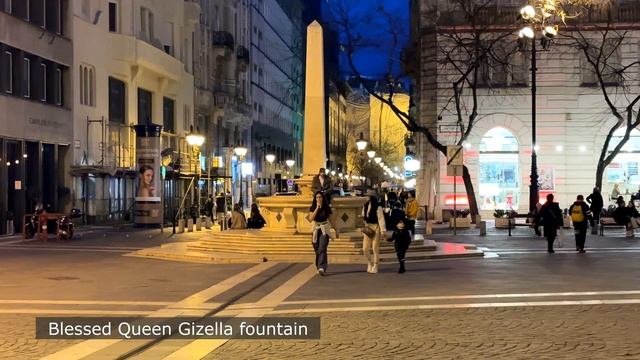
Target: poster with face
x=546, y=178
x=148, y=199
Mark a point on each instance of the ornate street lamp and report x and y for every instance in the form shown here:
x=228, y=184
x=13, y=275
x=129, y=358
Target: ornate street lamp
x=377, y=159
x=538, y=18
x=361, y=144
x=290, y=163
x=371, y=154
x=196, y=140
x=240, y=152
x=270, y=159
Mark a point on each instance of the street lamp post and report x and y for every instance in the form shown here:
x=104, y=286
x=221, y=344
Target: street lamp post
x=195, y=139
x=536, y=18
x=270, y=159
x=240, y=152
x=290, y=164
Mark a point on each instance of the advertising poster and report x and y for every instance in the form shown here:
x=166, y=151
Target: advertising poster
x=148, y=199
x=546, y=178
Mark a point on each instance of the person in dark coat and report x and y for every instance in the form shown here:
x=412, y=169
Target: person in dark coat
x=401, y=238
x=622, y=216
x=551, y=219
x=208, y=206
x=395, y=216
x=596, y=204
x=256, y=221
x=580, y=216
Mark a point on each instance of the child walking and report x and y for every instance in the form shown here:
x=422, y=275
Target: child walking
x=401, y=238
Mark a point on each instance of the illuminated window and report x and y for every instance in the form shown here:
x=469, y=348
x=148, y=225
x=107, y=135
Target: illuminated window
x=623, y=170
x=499, y=178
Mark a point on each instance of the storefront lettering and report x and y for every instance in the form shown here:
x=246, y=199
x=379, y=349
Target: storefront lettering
x=44, y=122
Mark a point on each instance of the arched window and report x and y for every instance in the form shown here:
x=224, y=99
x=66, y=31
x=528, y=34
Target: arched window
x=499, y=177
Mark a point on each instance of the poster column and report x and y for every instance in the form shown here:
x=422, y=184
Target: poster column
x=148, y=201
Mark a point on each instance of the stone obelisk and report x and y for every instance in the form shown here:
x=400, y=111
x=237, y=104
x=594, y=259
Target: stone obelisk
x=314, y=142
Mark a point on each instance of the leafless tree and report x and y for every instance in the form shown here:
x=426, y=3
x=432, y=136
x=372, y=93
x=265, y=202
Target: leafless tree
x=600, y=45
x=465, y=52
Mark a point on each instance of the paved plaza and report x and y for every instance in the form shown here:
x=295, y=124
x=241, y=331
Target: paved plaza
x=518, y=302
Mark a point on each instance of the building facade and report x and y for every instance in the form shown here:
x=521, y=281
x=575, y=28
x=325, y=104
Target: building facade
x=277, y=86
x=140, y=73
x=572, y=116
x=36, y=120
x=222, y=88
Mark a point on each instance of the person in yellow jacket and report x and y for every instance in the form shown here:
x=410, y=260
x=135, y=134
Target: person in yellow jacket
x=411, y=211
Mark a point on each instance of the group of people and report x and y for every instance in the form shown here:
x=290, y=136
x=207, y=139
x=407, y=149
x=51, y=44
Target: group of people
x=374, y=231
x=584, y=213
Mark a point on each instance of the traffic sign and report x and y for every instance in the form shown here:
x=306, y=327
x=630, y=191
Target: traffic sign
x=454, y=155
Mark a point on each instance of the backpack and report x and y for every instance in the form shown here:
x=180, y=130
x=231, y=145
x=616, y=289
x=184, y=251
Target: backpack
x=577, y=215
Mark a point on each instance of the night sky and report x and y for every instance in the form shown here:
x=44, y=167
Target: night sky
x=373, y=61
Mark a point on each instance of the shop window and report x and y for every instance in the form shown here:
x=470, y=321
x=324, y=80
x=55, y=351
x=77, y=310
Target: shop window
x=623, y=170
x=499, y=175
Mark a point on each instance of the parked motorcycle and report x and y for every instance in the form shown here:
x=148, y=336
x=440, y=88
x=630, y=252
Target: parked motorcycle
x=65, y=225
x=31, y=226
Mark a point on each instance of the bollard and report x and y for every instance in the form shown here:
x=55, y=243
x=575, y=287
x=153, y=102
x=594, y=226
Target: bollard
x=10, y=227
x=207, y=223
x=198, y=224
x=189, y=225
x=482, y=225
x=180, y=226
x=429, y=230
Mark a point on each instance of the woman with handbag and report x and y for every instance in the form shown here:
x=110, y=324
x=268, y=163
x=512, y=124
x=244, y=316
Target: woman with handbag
x=374, y=230
x=320, y=216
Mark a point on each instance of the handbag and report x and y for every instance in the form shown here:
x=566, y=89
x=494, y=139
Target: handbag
x=369, y=232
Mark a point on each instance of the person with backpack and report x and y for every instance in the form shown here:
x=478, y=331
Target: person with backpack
x=551, y=219
x=579, y=216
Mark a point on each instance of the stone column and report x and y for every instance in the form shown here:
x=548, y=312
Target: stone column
x=314, y=152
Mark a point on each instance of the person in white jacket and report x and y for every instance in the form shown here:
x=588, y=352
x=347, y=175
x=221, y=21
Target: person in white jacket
x=374, y=221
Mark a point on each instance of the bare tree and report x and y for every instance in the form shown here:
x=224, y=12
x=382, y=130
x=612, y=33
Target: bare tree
x=600, y=45
x=466, y=52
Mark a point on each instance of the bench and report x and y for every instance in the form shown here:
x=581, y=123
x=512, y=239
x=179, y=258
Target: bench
x=608, y=222
x=515, y=222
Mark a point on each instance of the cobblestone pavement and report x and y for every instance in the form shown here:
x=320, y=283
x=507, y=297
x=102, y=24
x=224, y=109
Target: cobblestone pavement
x=555, y=332
x=17, y=339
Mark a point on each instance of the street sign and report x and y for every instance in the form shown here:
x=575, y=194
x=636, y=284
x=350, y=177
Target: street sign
x=290, y=182
x=454, y=160
x=454, y=155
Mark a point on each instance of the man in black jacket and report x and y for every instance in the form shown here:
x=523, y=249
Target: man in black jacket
x=597, y=203
x=551, y=219
x=579, y=216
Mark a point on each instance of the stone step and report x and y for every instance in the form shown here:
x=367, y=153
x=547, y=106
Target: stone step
x=307, y=249
x=339, y=243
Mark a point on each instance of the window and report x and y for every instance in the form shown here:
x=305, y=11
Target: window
x=116, y=101
x=113, y=16
x=144, y=107
x=7, y=71
x=59, y=87
x=43, y=76
x=26, y=78
x=607, y=55
x=87, y=85
x=26, y=14
x=168, y=115
x=499, y=179
x=53, y=15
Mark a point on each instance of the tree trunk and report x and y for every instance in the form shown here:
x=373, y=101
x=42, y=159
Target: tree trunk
x=471, y=194
x=600, y=174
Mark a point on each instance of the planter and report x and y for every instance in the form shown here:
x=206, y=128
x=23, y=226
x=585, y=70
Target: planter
x=461, y=222
x=503, y=223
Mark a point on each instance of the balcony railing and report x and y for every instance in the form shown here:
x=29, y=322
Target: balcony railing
x=223, y=39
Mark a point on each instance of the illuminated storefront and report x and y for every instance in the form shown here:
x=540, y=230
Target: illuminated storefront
x=623, y=170
x=498, y=165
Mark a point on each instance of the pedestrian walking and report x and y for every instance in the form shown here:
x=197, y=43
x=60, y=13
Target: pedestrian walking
x=320, y=216
x=579, y=216
x=401, y=239
x=412, y=212
x=374, y=231
x=596, y=203
x=551, y=219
